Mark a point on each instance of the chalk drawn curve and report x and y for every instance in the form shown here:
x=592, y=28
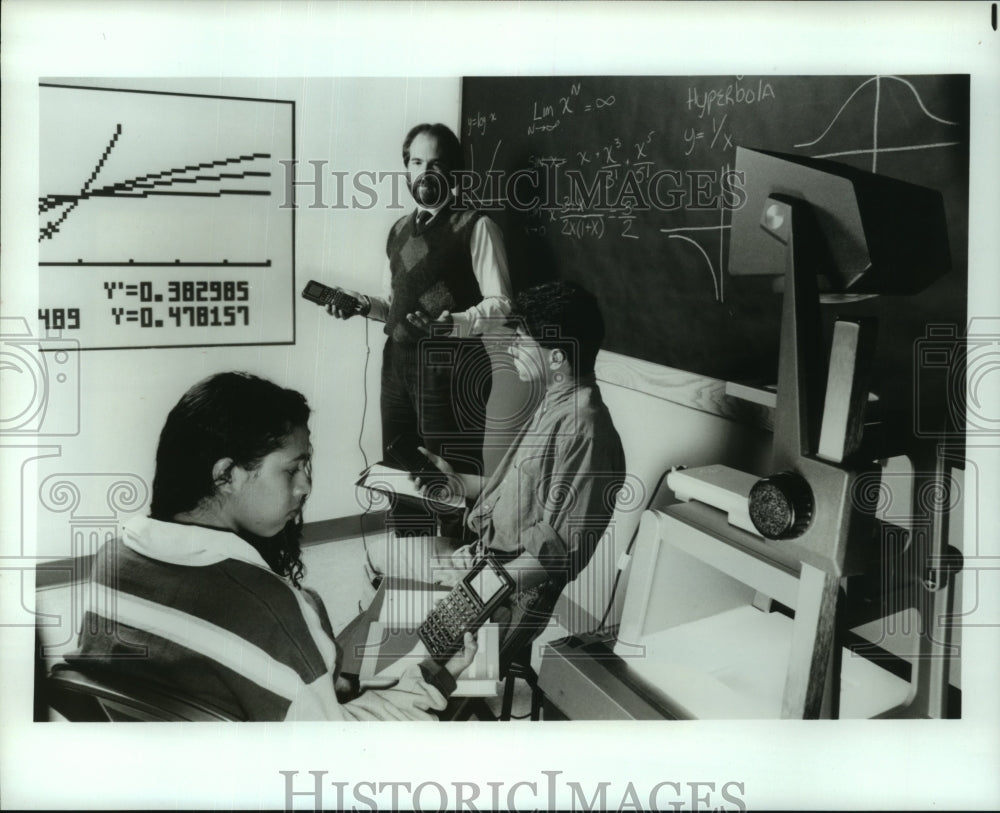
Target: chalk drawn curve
x=858, y=89
x=711, y=268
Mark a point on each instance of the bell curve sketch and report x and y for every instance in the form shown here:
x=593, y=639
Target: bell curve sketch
x=906, y=95
x=884, y=98
x=162, y=218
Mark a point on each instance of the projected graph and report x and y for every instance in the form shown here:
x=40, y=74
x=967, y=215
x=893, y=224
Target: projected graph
x=162, y=218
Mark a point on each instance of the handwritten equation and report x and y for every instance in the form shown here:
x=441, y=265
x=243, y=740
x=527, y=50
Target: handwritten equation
x=548, y=115
x=640, y=169
x=595, y=193
x=478, y=123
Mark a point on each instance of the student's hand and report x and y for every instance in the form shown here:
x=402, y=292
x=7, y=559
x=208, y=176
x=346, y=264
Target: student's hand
x=411, y=698
x=460, y=661
x=342, y=686
x=343, y=314
x=448, y=576
x=468, y=486
x=439, y=462
x=464, y=557
x=457, y=569
x=442, y=326
x=441, y=465
x=432, y=488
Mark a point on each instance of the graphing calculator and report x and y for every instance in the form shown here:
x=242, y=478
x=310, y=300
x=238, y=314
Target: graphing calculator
x=402, y=452
x=325, y=295
x=466, y=608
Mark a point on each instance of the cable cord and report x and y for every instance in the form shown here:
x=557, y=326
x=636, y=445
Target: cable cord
x=627, y=555
x=364, y=454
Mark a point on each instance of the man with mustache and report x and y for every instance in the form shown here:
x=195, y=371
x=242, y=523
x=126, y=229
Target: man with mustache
x=445, y=282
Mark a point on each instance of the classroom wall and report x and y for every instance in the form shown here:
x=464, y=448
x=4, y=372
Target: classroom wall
x=87, y=481
x=75, y=489
x=656, y=434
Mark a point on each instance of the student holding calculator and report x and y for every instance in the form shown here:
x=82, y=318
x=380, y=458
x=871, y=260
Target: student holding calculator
x=553, y=494
x=203, y=597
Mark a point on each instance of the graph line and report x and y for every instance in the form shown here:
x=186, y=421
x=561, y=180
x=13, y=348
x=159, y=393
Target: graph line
x=142, y=264
x=493, y=160
x=711, y=268
x=722, y=248
x=697, y=228
x=52, y=228
x=878, y=97
x=144, y=186
x=857, y=90
x=908, y=148
x=104, y=157
x=118, y=191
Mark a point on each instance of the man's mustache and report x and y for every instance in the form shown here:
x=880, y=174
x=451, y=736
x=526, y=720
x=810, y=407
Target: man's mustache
x=430, y=189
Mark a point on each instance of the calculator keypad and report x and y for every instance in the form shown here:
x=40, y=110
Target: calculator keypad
x=444, y=627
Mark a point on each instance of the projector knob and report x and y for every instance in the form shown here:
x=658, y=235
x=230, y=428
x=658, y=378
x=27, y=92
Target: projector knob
x=781, y=506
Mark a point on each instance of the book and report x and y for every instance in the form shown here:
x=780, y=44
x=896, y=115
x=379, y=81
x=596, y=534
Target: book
x=396, y=482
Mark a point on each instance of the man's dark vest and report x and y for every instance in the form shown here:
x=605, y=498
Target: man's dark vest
x=431, y=269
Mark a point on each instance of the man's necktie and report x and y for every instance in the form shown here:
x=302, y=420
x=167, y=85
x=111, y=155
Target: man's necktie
x=423, y=217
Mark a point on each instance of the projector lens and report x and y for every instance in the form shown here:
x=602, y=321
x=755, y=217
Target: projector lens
x=781, y=506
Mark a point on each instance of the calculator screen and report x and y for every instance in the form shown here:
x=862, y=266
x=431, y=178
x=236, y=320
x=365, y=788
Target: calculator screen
x=486, y=584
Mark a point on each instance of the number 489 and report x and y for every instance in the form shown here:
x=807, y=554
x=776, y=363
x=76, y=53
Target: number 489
x=60, y=318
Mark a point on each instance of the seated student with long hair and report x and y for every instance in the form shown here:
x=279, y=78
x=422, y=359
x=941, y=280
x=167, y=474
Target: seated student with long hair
x=204, y=595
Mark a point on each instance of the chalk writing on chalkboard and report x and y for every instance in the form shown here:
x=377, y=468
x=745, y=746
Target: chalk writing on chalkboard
x=844, y=114
x=598, y=188
x=627, y=184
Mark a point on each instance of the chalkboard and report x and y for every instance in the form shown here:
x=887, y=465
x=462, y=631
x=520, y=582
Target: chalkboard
x=624, y=184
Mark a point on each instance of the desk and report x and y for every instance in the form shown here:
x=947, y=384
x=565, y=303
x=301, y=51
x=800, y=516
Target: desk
x=582, y=679
x=353, y=639
x=700, y=626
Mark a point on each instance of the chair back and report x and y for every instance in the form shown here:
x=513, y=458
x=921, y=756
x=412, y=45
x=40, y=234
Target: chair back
x=81, y=697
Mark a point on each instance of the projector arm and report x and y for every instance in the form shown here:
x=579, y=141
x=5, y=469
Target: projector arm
x=801, y=365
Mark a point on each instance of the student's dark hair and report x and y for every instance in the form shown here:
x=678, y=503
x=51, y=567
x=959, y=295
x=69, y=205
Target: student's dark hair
x=562, y=315
x=282, y=552
x=448, y=144
x=234, y=415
